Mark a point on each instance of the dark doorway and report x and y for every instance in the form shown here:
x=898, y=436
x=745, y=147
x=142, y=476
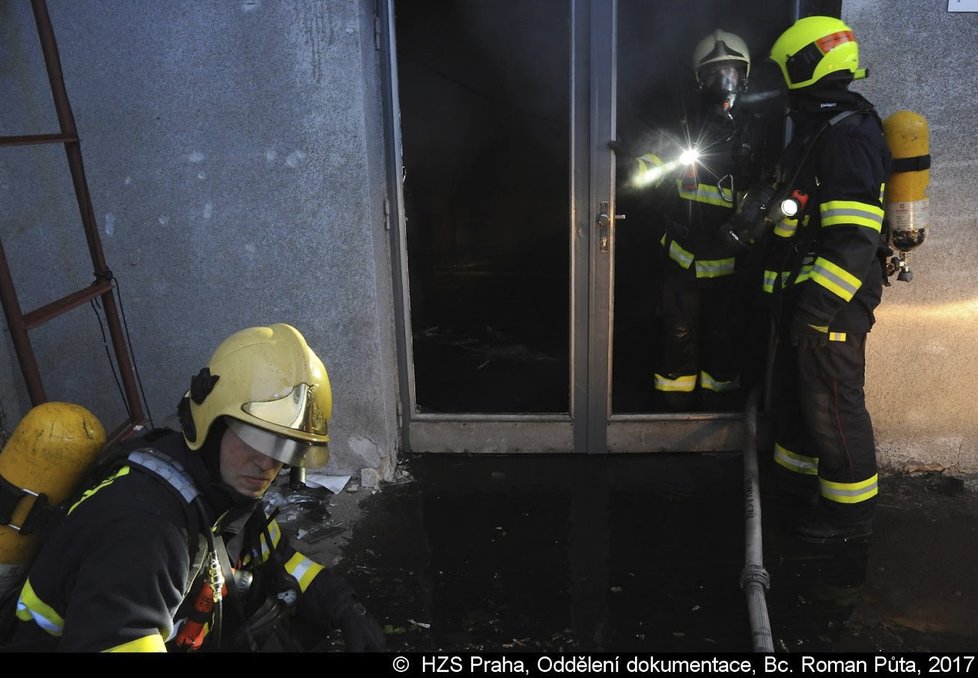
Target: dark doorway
x=505, y=112
x=655, y=89
x=484, y=106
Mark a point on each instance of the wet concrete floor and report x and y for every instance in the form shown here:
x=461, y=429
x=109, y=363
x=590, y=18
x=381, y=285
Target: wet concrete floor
x=637, y=553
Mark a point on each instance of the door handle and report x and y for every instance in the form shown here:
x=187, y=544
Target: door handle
x=604, y=226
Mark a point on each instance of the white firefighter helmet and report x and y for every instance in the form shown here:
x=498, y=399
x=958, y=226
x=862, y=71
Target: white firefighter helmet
x=721, y=62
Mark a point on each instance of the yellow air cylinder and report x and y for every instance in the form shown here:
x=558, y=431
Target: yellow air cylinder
x=905, y=201
x=48, y=453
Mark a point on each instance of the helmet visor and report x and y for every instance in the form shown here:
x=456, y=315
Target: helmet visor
x=286, y=450
x=298, y=410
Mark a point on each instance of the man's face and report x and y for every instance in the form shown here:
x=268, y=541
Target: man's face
x=245, y=469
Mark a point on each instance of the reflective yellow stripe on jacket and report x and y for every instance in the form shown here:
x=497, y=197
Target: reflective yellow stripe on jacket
x=649, y=171
x=771, y=277
x=786, y=228
x=709, y=194
x=32, y=608
x=150, y=643
x=835, y=279
x=704, y=268
x=303, y=569
x=714, y=268
x=108, y=481
x=846, y=212
x=275, y=532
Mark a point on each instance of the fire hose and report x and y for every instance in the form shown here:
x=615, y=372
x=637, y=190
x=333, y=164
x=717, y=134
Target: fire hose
x=754, y=579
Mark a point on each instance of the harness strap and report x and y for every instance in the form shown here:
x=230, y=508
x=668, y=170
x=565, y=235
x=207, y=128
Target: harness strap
x=37, y=516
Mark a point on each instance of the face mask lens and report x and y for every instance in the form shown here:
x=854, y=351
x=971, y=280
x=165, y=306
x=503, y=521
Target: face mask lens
x=721, y=79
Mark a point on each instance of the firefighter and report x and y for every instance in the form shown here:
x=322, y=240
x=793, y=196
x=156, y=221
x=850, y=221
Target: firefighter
x=173, y=550
x=825, y=278
x=699, y=171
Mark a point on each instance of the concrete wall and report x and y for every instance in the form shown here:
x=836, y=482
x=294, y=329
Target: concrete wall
x=234, y=151
x=923, y=353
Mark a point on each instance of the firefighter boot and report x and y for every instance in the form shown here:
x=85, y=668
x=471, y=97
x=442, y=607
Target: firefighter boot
x=831, y=522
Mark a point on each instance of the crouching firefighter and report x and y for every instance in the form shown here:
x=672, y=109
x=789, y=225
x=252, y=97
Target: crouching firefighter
x=172, y=549
x=825, y=275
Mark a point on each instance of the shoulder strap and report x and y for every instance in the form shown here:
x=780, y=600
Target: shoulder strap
x=171, y=472
x=167, y=469
x=813, y=140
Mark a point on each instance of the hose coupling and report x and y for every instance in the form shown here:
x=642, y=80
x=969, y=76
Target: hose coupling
x=755, y=574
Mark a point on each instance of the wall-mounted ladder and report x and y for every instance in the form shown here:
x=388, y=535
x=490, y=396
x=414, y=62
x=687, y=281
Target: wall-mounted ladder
x=20, y=323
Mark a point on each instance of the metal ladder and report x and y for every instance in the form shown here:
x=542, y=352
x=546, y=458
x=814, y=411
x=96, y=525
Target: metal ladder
x=20, y=323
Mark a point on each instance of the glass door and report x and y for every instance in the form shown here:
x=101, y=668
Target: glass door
x=485, y=135
x=522, y=287
x=661, y=315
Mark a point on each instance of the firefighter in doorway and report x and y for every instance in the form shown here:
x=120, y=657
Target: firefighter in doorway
x=699, y=172
x=823, y=272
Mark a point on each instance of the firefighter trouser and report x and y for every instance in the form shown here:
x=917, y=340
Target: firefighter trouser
x=700, y=332
x=821, y=424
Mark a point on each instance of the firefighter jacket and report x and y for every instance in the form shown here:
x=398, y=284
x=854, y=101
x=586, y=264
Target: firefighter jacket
x=827, y=261
x=123, y=570
x=696, y=198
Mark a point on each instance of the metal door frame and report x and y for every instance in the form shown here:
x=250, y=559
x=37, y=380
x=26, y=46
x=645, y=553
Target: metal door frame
x=590, y=427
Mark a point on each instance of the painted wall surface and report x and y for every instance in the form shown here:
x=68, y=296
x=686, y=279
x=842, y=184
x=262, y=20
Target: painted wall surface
x=234, y=152
x=922, y=363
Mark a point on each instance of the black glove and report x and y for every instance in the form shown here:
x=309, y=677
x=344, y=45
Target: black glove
x=808, y=332
x=360, y=632
x=732, y=238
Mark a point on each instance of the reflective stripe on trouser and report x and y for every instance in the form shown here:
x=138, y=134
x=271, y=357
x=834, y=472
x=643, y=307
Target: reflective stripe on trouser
x=708, y=382
x=820, y=413
x=794, y=462
x=684, y=383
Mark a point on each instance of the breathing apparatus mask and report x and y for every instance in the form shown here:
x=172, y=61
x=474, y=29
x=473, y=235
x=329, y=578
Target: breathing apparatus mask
x=720, y=83
x=721, y=66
